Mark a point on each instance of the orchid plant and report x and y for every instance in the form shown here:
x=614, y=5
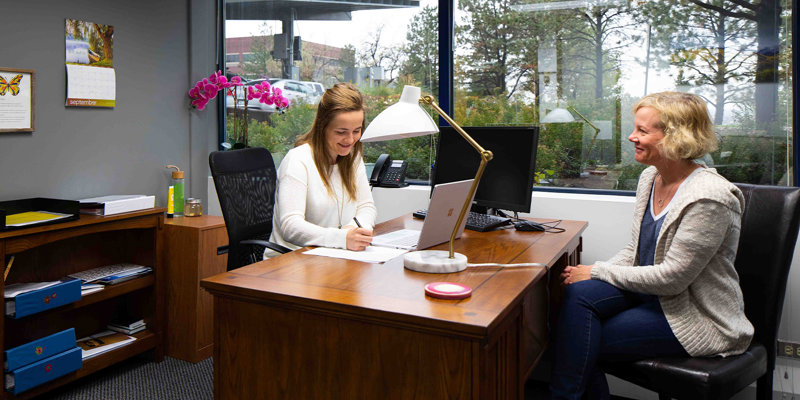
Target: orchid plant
x=208, y=88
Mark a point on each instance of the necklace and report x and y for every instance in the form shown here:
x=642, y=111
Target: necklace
x=661, y=197
x=671, y=192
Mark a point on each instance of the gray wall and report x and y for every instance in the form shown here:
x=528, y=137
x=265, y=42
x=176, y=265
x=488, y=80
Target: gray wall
x=84, y=152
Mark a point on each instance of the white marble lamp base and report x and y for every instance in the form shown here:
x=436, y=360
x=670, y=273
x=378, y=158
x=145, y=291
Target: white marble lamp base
x=435, y=261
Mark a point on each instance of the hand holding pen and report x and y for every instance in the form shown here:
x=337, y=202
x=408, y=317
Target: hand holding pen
x=358, y=238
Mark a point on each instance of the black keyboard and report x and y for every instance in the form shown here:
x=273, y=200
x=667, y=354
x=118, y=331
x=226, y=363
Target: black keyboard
x=475, y=221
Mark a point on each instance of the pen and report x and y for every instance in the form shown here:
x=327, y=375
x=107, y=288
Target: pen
x=359, y=225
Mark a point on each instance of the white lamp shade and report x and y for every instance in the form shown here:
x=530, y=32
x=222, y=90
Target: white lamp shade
x=558, y=115
x=404, y=119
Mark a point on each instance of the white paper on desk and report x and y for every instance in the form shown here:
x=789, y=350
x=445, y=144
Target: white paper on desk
x=372, y=254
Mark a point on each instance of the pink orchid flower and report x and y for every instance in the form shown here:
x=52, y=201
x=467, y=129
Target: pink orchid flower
x=207, y=88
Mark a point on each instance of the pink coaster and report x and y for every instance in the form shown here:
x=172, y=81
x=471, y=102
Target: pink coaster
x=448, y=290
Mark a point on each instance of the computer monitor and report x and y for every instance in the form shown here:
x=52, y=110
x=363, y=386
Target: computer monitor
x=508, y=179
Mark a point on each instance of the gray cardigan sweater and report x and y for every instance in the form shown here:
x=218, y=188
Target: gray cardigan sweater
x=693, y=275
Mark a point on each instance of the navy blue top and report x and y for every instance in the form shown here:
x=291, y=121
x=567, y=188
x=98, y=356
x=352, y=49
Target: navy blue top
x=648, y=235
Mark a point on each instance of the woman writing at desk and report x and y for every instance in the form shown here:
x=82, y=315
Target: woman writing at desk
x=673, y=290
x=323, y=193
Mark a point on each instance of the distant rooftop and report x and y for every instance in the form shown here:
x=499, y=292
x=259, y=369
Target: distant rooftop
x=321, y=10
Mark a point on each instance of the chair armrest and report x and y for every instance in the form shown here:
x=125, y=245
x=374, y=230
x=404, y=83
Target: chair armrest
x=273, y=246
x=222, y=250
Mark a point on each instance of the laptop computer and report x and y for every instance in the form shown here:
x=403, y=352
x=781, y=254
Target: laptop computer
x=446, y=202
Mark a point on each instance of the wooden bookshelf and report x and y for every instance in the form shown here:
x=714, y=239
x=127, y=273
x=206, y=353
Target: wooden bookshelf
x=51, y=252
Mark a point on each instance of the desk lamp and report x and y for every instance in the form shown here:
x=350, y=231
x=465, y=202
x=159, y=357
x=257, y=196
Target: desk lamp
x=407, y=119
x=564, y=115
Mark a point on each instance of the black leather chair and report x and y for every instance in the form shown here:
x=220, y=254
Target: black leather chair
x=766, y=244
x=245, y=181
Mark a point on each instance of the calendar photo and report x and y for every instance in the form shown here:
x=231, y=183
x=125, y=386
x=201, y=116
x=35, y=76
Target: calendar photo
x=89, y=59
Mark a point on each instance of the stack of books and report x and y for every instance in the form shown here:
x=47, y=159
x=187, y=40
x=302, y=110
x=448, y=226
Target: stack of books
x=111, y=274
x=127, y=326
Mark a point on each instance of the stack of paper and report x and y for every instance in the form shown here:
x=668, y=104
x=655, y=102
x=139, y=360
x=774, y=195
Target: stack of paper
x=33, y=217
x=372, y=254
x=108, y=205
x=89, y=288
x=15, y=289
x=124, y=276
x=102, y=342
x=111, y=274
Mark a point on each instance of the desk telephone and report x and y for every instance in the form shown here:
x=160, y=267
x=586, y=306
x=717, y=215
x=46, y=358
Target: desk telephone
x=388, y=172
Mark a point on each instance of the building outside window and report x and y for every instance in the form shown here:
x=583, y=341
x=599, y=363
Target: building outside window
x=305, y=47
x=574, y=68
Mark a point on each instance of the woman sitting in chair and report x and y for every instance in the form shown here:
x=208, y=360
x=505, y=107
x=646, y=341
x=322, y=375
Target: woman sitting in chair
x=323, y=193
x=673, y=290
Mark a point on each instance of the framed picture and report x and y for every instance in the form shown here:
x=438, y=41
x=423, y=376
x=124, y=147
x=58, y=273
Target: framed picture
x=17, y=94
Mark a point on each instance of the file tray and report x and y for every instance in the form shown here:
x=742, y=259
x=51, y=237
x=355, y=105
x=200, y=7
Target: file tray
x=44, y=299
x=39, y=349
x=32, y=375
x=69, y=207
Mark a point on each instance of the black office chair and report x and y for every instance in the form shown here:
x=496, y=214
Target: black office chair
x=245, y=180
x=767, y=241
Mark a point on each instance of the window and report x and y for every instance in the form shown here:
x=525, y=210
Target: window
x=576, y=69
x=304, y=50
x=573, y=68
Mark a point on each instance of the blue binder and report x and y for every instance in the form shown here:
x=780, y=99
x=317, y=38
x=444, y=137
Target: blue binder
x=44, y=299
x=39, y=349
x=43, y=371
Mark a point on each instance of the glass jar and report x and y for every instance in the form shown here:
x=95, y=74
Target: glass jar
x=194, y=208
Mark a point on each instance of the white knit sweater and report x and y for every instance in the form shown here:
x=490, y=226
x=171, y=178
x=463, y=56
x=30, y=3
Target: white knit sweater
x=306, y=214
x=693, y=275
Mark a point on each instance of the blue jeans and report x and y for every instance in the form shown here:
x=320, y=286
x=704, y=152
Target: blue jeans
x=601, y=322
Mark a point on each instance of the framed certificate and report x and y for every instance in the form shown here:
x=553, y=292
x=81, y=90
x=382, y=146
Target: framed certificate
x=17, y=94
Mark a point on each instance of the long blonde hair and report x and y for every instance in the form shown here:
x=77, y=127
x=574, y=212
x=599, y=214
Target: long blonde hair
x=341, y=98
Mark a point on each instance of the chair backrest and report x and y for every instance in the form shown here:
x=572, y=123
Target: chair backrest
x=245, y=181
x=766, y=244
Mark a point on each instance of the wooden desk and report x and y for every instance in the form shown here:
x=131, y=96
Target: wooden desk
x=308, y=327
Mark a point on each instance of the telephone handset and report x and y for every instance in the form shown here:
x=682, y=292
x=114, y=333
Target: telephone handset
x=388, y=172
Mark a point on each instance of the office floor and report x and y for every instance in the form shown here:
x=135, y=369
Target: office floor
x=140, y=379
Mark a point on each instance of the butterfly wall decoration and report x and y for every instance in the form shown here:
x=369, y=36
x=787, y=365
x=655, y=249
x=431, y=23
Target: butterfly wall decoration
x=11, y=86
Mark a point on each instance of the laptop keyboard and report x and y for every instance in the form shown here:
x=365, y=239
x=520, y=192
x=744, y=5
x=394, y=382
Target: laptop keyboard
x=401, y=238
x=475, y=221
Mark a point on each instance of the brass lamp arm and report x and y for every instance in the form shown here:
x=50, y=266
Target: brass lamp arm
x=486, y=156
x=596, y=129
